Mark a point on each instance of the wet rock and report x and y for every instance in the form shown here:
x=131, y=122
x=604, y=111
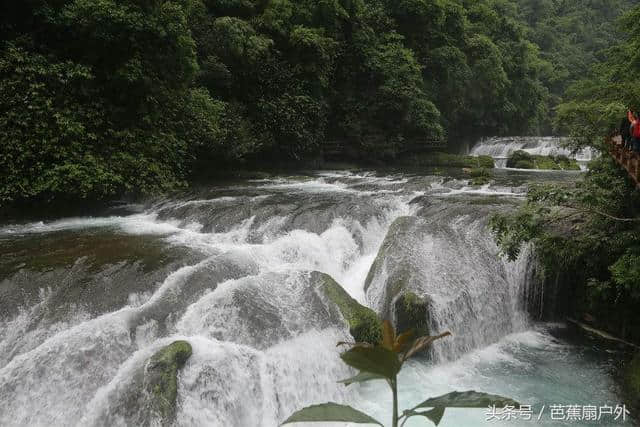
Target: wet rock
x=441, y=271
x=186, y=286
x=391, y=272
x=161, y=378
x=264, y=310
x=412, y=312
x=364, y=324
x=96, y=272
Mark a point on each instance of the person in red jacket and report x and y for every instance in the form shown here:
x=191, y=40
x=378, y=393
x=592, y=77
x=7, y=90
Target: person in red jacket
x=625, y=132
x=635, y=131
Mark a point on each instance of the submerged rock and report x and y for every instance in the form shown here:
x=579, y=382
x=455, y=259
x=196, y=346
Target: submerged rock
x=264, y=310
x=96, y=272
x=161, y=378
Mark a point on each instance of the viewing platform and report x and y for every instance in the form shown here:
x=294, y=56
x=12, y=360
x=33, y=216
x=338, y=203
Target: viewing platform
x=629, y=160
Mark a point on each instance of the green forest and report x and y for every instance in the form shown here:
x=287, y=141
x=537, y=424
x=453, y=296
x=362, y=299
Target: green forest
x=587, y=235
x=110, y=98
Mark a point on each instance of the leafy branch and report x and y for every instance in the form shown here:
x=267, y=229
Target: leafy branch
x=384, y=361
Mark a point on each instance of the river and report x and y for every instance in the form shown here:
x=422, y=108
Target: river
x=85, y=301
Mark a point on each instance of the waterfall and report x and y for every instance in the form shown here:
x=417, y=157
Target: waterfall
x=84, y=302
x=500, y=148
x=448, y=258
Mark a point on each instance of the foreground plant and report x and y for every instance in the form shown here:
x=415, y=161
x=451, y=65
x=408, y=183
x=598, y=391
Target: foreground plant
x=383, y=362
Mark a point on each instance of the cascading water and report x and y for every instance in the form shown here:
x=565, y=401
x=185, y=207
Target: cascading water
x=500, y=148
x=236, y=272
x=449, y=258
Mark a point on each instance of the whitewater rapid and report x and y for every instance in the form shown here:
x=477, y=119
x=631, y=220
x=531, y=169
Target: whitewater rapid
x=232, y=270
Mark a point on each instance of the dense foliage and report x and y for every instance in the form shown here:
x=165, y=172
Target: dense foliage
x=108, y=97
x=573, y=36
x=588, y=236
x=98, y=99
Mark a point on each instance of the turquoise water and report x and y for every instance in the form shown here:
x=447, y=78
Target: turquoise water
x=534, y=367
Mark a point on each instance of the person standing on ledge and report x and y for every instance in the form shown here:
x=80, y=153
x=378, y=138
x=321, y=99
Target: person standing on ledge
x=625, y=132
x=635, y=131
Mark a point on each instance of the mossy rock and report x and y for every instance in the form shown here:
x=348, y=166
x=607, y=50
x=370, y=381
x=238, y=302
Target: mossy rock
x=480, y=176
x=546, y=163
x=161, y=378
x=523, y=160
x=523, y=164
x=485, y=162
x=394, y=235
x=412, y=312
x=364, y=324
x=632, y=382
x=566, y=163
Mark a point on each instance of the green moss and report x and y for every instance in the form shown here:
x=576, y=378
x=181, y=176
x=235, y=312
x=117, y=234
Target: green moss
x=480, y=176
x=632, y=381
x=162, y=378
x=566, y=163
x=63, y=249
x=547, y=163
x=523, y=164
x=523, y=160
x=412, y=312
x=485, y=162
x=364, y=324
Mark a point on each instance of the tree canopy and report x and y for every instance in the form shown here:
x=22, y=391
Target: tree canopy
x=109, y=97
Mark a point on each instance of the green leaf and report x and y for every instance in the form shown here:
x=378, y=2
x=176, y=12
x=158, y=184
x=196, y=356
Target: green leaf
x=422, y=343
x=330, y=412
x=467, y=399
x=376, y=360
x=362, y=377
x=435, y=414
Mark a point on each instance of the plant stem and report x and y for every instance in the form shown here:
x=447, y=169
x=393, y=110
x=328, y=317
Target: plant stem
x=394, y=390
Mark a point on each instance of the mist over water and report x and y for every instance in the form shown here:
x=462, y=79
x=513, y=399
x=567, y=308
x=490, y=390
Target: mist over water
x=234, y=270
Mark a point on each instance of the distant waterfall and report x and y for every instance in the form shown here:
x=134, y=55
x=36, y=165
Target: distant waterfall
x=500, y=148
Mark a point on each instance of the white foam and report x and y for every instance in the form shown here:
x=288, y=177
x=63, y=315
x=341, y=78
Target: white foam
x=230, y=384
x=500, y=148
x=484, y=190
